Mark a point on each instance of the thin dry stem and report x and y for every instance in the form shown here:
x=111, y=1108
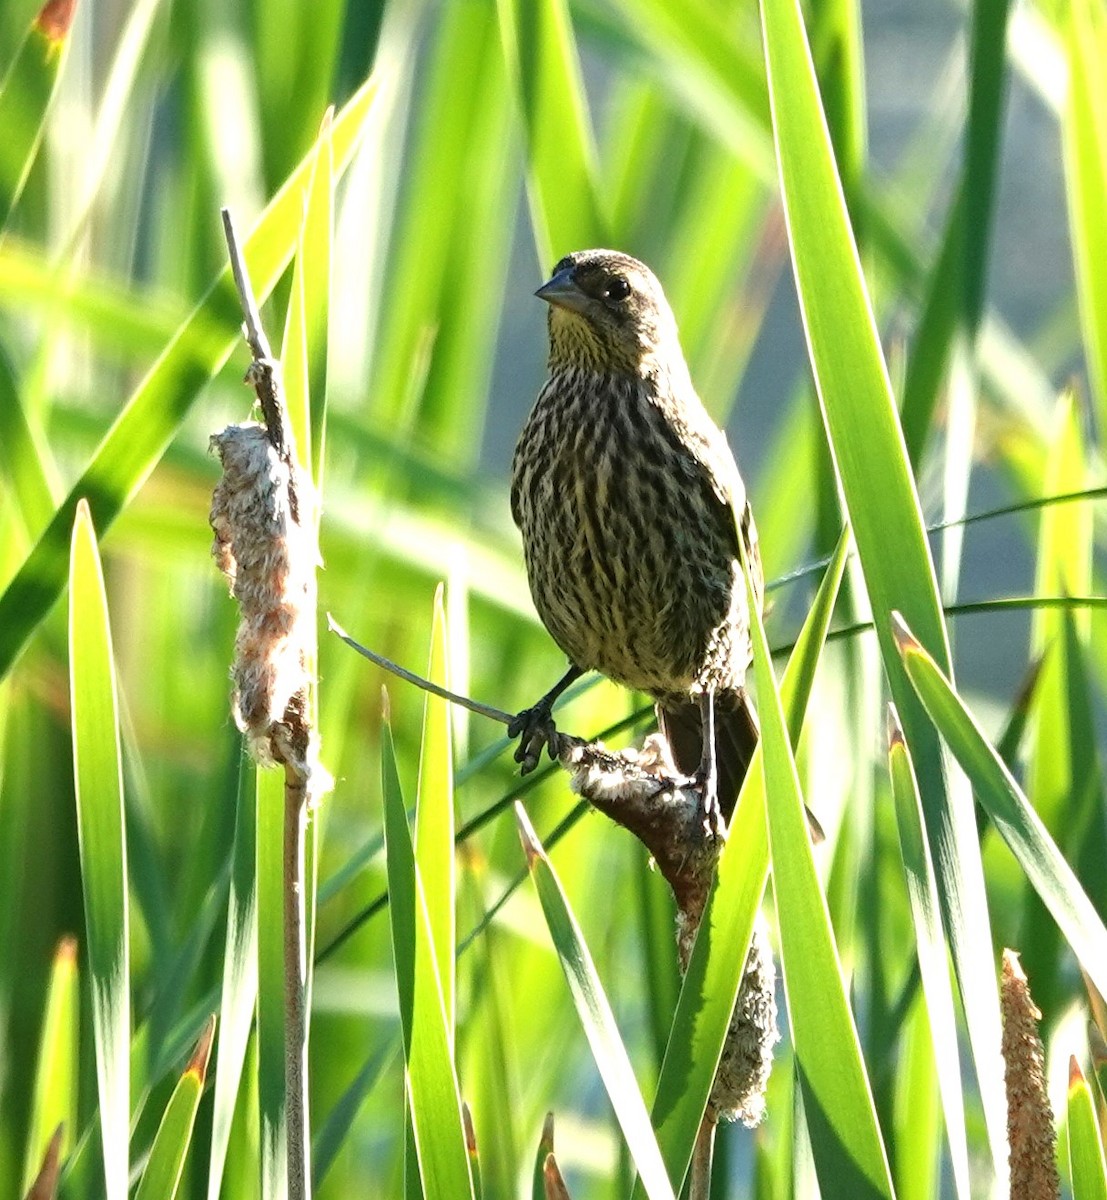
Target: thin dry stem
x=270, y=555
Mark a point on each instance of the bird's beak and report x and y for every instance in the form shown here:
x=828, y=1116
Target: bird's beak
x=562, y=291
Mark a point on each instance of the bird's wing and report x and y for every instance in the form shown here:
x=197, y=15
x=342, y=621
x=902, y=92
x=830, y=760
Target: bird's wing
x=714, y=462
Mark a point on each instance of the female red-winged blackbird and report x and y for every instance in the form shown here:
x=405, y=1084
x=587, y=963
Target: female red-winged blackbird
x=630, y=503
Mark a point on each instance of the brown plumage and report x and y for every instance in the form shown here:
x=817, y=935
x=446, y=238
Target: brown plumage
x=626, y=493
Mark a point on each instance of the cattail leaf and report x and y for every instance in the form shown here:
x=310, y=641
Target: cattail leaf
x=1063, y=779
x=1084, y=26
x=434, y=816
x=102, y=843
x=545, y=1149
x=871, y=461
x=434, y=1103
x=54, y=1100
x=954, y=297
x=25, y=97
x=162, y=1176
x=596, y=1016
x=143, y=430
x=850, y=1158
x=240, y=973
x=922, y=890
x=1011, y=813
x=331, y=1135
x=447, y=166
x=544, y=69
x=711, y=983
x=1087, y=1168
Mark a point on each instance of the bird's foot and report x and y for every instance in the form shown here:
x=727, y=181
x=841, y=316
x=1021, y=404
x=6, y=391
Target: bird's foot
x=536, y=731
x=714, y=823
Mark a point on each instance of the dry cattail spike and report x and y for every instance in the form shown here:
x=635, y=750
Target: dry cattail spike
x=1030, y=1133
x=270, y=560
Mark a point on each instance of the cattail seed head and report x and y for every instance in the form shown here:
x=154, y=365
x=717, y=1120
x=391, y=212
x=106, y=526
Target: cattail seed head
x=270, y=560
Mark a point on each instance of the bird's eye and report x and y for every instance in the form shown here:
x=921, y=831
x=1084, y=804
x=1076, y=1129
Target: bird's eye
x=617, y=289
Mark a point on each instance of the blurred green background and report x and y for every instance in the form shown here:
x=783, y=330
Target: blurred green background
x=501, y=136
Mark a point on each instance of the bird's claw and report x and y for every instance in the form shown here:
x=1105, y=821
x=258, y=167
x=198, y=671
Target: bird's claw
x=714, y=824
x=536, y=731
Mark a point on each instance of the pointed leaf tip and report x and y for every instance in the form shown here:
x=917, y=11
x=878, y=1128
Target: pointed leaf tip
x=895, y=730
x=905, y=639
x=527, y=835
x=546, y=1142
x=198, y=1063
x=470, y=1132
x=55, y=18
x=386, y=706
x=45, y=1185
x=554, y=1180
x=1076, y=1076
x=66, y=952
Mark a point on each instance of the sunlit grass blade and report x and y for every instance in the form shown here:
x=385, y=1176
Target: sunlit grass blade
x=596, y=1017
x=711, y=983
x=434, y=816
x=1011, y=813
x=333, y=1132
x=102, y=842
x=165, y=1165
x=240, y=975
x=272, y=1096
x=1062, y=748
x=955, y=292
x=917, y=1122
x=25, y=96
x=430, y=208
x=155, y=411
x=24, y=460
x=696, y=52
x=871, y=460
x=122, y=319
x=1085, y=144
x=837, y=1098
x=304, y=349
x=839, y=58
x=922, y=890
x=435, y=1104
x=54, y=1101
x=1087, y=1169
x=544, y=69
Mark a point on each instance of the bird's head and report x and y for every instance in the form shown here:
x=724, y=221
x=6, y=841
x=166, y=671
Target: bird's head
x=608, y=313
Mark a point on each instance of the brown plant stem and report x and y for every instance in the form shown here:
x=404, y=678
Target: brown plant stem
x=287, y=738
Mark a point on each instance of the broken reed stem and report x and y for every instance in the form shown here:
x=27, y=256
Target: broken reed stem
x=270, y=556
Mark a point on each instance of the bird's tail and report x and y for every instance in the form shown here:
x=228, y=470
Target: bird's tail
x=736, y=735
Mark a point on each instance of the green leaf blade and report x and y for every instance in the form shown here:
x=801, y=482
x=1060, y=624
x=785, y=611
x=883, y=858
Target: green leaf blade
x=1012, y=814
x=102, y=842
x=164, y=1168
x=922, y=889
x=850, y=1158
x=710, y=985
x=596, y=1017
x=870, y=458
x=143, y=430
x=1087, y=1169
x=434, y=1100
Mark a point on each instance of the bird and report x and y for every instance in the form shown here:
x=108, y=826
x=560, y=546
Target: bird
x=631, y=507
